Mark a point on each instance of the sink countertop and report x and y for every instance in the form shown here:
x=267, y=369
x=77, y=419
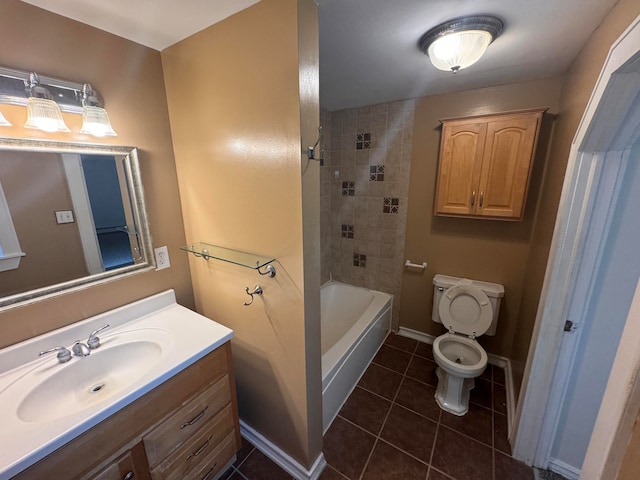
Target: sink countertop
x=24, y=443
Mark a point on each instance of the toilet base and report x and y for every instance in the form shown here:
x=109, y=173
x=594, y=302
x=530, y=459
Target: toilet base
x=452, y=393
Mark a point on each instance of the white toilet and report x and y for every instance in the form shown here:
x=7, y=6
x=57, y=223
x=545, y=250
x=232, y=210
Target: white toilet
x=468, y=309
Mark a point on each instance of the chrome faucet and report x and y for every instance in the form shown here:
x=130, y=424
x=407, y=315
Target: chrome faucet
x=79, y=349
x=94, y=342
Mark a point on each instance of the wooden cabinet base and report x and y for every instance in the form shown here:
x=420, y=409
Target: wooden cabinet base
x=116, y=446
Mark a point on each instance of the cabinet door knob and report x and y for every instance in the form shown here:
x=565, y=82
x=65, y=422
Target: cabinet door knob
x=129, y=476
x=473, y=198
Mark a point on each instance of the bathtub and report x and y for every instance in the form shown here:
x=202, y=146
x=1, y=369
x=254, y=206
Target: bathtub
x=355, y=322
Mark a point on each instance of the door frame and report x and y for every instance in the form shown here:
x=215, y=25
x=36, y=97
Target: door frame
x=597, y=162
x=72, y=163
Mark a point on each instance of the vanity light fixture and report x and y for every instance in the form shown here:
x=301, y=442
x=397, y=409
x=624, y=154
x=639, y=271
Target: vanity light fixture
x=42, y=112
x=3, y=121
x=459, y=43
x=46, y=97
x=95, y=119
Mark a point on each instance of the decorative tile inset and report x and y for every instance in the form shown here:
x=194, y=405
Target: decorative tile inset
x=359, y=260
x=348, y=189
x=376, y=173
x=363, y=141
x=347, y=231
x=391, y=205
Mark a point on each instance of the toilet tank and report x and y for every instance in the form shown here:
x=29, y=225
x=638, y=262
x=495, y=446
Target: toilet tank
x=493, y=291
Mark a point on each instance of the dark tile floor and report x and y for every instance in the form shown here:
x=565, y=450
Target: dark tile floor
x=392, y=428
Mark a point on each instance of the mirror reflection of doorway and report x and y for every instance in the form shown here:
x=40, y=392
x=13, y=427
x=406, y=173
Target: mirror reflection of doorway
x=105, y=196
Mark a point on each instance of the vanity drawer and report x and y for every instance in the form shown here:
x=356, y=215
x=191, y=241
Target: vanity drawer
x=129, y=466
x=185, y=422
x=212, y=447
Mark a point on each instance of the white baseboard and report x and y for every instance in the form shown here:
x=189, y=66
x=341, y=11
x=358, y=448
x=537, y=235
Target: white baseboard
x=496, y=360
x=416, y=335
x=561, y=468
x=277, y=455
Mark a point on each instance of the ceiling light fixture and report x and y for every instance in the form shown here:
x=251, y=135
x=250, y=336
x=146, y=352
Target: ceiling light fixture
x=95, y=119
x=461, y=42
x=42, y=112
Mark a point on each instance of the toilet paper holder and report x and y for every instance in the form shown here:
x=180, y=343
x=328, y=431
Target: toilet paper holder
x=415, y=265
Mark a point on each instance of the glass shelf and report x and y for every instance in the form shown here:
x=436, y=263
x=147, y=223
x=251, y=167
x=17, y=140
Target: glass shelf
x=244, y=259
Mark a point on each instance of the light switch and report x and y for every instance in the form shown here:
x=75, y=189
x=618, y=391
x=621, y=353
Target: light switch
x=64, y=216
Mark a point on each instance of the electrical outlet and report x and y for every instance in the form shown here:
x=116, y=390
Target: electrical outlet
x=162, y=258
x=64, y=216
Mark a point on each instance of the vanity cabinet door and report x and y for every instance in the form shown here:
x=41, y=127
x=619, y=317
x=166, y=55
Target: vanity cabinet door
x=129, y=466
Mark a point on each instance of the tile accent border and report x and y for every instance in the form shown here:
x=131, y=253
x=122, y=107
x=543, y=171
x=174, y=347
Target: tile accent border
x=348, y=189
x=359, y=260
x=282, y=459
x=363, y=141
x=376, y=173
x=391, y=205
x=348, y=231
x=497, y=360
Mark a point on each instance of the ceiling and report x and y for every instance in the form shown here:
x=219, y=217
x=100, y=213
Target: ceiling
x=154, y=23
x=368, y=48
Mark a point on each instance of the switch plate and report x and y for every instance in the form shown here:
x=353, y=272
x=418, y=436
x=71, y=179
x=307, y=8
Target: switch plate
x=64, y=216
x=162, y=258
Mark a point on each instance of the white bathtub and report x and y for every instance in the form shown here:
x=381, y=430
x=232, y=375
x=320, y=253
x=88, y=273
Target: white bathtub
x=355, y=322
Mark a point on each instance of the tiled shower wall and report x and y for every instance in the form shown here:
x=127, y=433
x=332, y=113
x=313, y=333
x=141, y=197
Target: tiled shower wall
x=364, y=190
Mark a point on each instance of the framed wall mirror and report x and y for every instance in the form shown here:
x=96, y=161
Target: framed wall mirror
x=71, y=215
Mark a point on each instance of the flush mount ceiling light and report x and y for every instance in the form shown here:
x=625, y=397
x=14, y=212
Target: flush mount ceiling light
x=46, y=97
x=42, y=112
x=461, y=42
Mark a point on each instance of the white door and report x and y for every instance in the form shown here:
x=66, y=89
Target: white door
x=601, y=317
x=592, y=273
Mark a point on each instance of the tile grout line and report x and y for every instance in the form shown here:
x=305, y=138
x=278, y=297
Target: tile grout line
x=375, y=443
x=439, y=422
x=236, y=469
x=433, y=447
x=493, y=432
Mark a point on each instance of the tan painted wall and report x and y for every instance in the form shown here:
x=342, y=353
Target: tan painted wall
x=35, y=186
x=631, y=461
x=129, y=77
x=488, y=250
x=241, y=95
x=576, y=90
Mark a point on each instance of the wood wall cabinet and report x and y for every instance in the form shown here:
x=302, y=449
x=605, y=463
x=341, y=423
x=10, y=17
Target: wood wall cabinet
x=186, y=428
x=485, y=164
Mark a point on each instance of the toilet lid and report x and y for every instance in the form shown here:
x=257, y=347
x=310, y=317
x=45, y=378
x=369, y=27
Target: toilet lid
x=465, y=309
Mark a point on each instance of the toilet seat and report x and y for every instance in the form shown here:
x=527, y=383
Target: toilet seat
x=466, y=309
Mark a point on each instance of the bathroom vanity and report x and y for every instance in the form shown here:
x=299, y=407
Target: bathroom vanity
x=156, y=400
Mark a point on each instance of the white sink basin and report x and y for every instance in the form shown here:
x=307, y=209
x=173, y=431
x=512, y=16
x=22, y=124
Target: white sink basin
x=83, y=382
x=46, y=404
